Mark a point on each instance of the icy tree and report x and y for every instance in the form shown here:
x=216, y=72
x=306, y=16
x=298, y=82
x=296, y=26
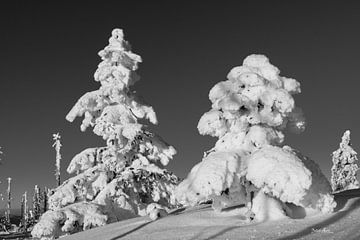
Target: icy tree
x=344, y=169
x=247, y=165
x=8, y=208
x=57, y=145
x=36, y=203
x=125, y=178
x=24, y=213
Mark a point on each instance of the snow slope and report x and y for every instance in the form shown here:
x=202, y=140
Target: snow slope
x=202, y=222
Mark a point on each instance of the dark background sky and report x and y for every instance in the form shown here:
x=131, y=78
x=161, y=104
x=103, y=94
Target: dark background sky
x=49, y=55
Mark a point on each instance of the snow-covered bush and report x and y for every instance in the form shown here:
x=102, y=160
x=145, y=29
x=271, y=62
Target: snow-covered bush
x=126, y=177
x=249, y=113
x=344, y=169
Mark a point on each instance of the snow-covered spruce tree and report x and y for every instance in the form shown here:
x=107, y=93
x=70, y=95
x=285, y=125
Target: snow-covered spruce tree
x=249, y=113
x=344, y=169
x=125, y=178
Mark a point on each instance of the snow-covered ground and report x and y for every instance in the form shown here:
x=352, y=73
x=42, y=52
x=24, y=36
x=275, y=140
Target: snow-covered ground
x=202, y=222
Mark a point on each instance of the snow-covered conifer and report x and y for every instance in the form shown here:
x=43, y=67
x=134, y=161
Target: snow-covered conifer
x=8, y=208
x=24, y=212
x=250, y=111
x=36, y=203
x=57, y=145
x=344, y=169
x=123, y=178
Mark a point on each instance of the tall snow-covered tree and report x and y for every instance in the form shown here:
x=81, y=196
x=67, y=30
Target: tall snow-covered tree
x=126, y=177
x=57, y=145
x=250, y=111
x=344, y=169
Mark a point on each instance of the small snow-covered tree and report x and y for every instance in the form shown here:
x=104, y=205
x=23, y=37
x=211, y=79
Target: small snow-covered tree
x=126, y=177
x=57, y=145
x=24, y=213
x=8, y=208
x=344, y=169
x=247, y=165
x=36, y=203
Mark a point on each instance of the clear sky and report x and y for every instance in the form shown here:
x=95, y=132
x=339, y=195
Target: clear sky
x=49, y=54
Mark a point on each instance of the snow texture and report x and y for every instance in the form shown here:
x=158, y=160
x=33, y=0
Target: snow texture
x=201, y=222
x=250, y=111
x=122, y=179
x=344, y=169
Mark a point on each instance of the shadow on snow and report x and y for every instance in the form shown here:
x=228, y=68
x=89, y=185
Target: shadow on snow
x=341, y=200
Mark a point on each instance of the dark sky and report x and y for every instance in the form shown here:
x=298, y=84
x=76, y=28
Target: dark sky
x=49, y=55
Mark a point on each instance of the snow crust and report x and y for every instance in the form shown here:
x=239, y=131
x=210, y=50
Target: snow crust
x=125, y=178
